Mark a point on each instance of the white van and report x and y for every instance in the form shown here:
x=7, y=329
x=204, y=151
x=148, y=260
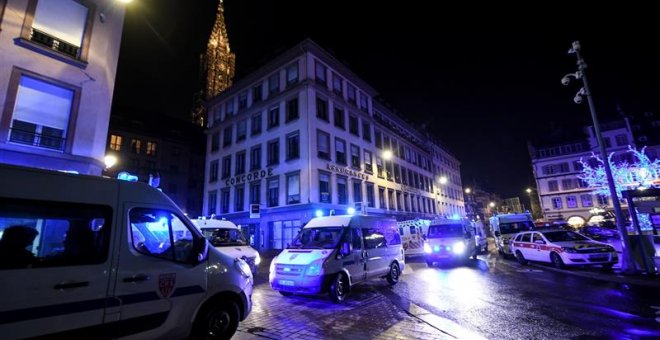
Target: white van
x=228, y=238
x=506, y=226
x=89, y=257
x=334, y=253
x=449, y=240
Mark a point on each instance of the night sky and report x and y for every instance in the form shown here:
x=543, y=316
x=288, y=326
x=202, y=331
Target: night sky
x=485, y=80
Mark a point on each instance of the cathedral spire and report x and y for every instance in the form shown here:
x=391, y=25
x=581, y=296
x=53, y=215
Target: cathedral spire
x=217, y=65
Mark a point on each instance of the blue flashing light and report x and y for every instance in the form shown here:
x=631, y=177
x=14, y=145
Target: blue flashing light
x=456, y=217
x=163, y=220
x=125, y=176
x=350, y=211
x=447, y=248
x=436, y=249
x=318, y=213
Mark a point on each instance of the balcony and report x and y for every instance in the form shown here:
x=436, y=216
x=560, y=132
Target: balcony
x=54, y=43
x=32, y=138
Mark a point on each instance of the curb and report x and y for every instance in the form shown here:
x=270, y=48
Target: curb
x=608, y=278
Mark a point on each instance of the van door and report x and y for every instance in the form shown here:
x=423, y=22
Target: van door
x=54, y=268
x=356, y=262
x=375, y=248
x=158, y=275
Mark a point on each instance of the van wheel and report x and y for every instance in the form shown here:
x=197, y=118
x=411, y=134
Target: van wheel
x=393, y=275
x=285, y=293
x=520, y=258
x=429, y=263
x=339, y=288
x=557, y=261
x=217, y=321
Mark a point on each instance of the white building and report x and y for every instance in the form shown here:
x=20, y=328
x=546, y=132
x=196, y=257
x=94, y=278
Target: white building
x=302, y=136
x=58, y=60
x=562, y=194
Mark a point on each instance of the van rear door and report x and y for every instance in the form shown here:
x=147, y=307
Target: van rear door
x=159, y=279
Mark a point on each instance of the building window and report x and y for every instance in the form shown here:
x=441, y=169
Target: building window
x=342, y=194
x=355, y=156
x=226, y=167
x=608, y=144
x=241, y=130
x=239, y=197
x=293, y=188
x=242, y=101
x=229, y=108
x=63, y=26
x=340, y=120
x=255, y=158
x=323, y=144
x=390, y=199
x=215, y=141
x=256, y=124
x=257, y=93
x=568, y=184
x=397, y=173
x=556, y=203
x=292, y=109
x=357, y=191
x=587, y=201
x=240, y=163
x=322, y=109
x=368, y=165
x=273, y=152
x=553, y=186
x=255, y=192
x=227, y=136
x=293, y=145
x=399, y=205
x=379, y=139
x=115, y=142
x=274, y=84
x=353, y=125
x=292, y=74
x=321, y=74
x=379, y=167
x=337, y=84
x=571, y=202
x=404, y=176
x=370, y=195
x=389, y=169
x=340, y=151
x=621, y=140
x=136, y=146
x=366, y=131
x=224, y=200
x=213, y=171
x=364, y=102
x=350, y=91
x=151, y=148
x=212, y=203
x=273, y=192
x=381, y=197
x=324, y=187
x=603, y=200
x=274, y=117
x=33, y=123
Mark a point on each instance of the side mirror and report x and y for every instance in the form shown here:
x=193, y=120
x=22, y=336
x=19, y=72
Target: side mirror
x=539, y=242
x=345, y=249
x=203, y=253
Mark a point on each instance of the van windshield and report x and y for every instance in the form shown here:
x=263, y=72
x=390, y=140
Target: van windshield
x=446, y=230
x=516, y=227
x=224, y=237
x=317, y=238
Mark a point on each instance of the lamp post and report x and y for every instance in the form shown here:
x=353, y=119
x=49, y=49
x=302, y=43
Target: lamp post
x=626, y=261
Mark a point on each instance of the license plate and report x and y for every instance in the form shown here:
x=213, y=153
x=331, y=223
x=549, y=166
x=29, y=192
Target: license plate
x=287, y=283
x=599, y=258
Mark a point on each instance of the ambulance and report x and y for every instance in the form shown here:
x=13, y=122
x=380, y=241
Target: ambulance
x=334, y=253
x=87, y=257
x=412, y=236
x=449, y=240
x=228, y=238
x=505, y=226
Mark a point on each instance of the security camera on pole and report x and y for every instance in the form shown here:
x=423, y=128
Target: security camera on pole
x=627, y=264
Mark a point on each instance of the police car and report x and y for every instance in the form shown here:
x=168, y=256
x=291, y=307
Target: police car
x=562, y=248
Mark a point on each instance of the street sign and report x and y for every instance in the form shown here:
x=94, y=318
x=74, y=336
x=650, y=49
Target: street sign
x=255, y=211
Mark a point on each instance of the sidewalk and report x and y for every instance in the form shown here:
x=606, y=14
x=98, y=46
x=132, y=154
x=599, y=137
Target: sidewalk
x=596, y=274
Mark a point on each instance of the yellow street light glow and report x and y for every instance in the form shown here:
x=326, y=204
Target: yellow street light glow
x=387, y=155
x=468, y=190
x=443, y=180
x=110, y=161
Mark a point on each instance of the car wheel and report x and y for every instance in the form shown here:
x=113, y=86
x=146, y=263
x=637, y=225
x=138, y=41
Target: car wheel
x=393, y=275
x=217, y=321
x=429, y=263
x=520, y=258
x=557, y=261
x=339, y=288
x=285, y=293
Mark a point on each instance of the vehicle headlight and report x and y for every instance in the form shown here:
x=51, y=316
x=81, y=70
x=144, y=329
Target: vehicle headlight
x=458, y=248
x=427, y=248
x=569, y=250
x=243, y=267
x=257, y=259
x=315, y=268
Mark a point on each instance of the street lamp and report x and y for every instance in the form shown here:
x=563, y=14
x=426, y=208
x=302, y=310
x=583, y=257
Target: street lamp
x=468, y=190
x=626, y=261
x=528, y=190
x=491, y=204
x=387, y=155
x=110, y=161
x=443, y=180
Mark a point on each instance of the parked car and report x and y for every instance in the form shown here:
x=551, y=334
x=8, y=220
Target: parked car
x=598, y=233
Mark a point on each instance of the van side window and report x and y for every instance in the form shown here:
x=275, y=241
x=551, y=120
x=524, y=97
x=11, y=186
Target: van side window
x=47, y=234
x=373, y=238
x=161, y=233
x=413, y=231
x=357, y=239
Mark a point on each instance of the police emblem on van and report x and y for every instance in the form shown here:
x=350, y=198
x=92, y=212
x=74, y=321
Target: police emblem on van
x=166, y=284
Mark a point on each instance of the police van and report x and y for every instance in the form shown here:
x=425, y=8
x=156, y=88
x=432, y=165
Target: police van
x=334, y=253
x=449, y=240
x=505, y=226
x=89, y=257
x=228, y=238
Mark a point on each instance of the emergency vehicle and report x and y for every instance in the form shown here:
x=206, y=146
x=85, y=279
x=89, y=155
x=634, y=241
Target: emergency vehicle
x=562, y=248
x=228, y=238
x=412, y=236
x=505, y=226
x=88, y=257
x=449, y=240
